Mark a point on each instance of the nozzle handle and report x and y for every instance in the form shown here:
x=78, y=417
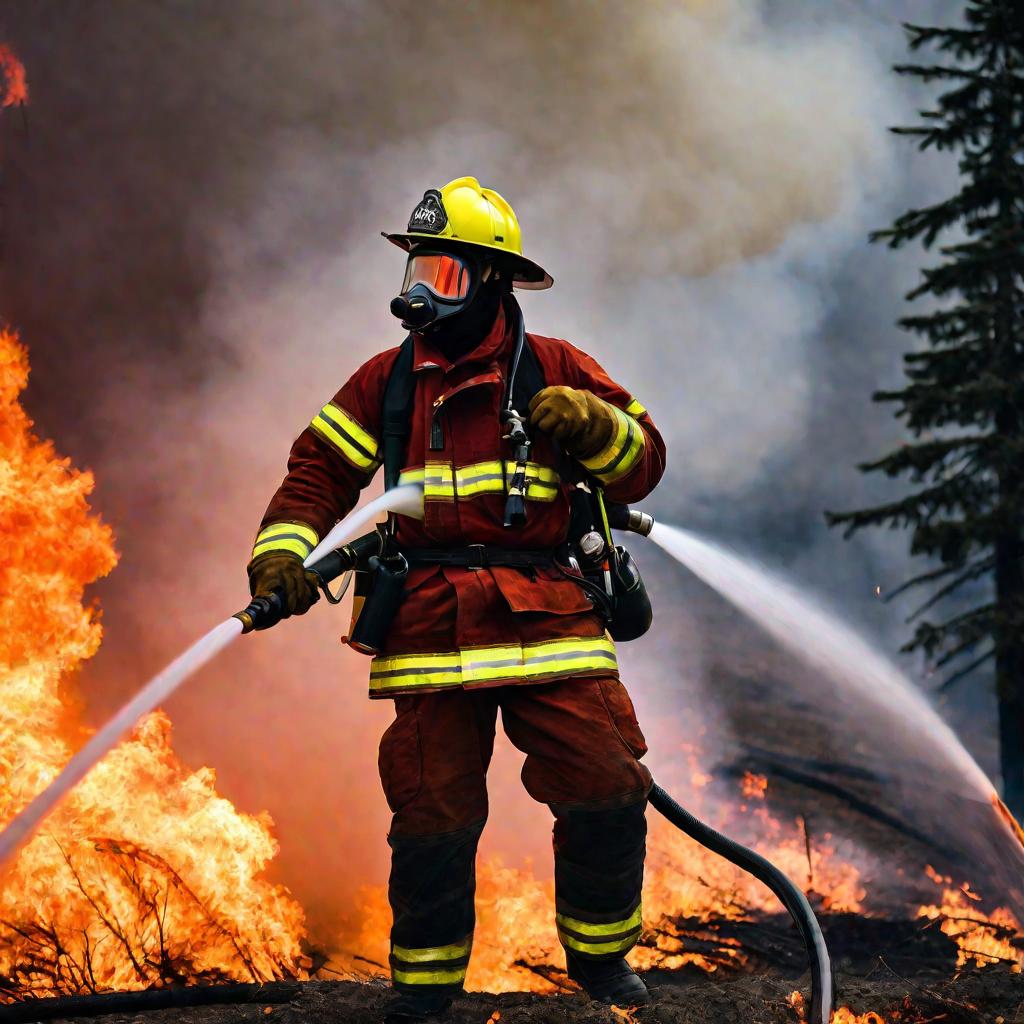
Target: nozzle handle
x=264, y=612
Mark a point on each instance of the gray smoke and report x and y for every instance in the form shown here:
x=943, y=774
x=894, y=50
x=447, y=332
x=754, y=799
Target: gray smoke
x=191, y=251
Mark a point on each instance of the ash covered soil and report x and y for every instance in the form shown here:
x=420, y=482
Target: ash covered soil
x=972, y=996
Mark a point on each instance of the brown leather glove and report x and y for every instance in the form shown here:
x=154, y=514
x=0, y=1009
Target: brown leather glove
x=577, y=419
x=284, y=572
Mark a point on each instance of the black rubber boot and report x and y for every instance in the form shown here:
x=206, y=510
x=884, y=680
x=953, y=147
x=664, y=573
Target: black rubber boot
x=406, y=1006
x=607, y=981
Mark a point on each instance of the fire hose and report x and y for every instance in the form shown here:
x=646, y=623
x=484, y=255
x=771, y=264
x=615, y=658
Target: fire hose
x=332, y=558
x=264, y=612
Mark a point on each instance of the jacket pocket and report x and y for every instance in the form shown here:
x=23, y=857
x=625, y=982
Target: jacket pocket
x=623, y=716
x=550, y=592
x=399, y=758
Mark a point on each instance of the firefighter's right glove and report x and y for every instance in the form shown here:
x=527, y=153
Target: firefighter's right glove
x=576, y=418
x=284, y=573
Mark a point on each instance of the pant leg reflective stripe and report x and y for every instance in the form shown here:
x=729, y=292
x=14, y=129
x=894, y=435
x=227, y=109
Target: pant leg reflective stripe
x=621, y=453
x=297, y=538
x=431, y=965
x=452, y=977
x=347, y=436
x=431, y=953
x=599, y=948
x=603, y=930
x=476, y=665
x=598, y=939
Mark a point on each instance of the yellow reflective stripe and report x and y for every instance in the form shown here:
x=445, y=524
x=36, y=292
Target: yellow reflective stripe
x=635, y=409
x=297, y=538
x=589, y=928
x=596, y=948
x=480, y=478
x=473, y=665
x=419, y=956
x=453, y=977
x=621, y=453
x=396, y=671
x=440, y=483
x=437, y=481
x=411, y=476
x=347, y=435
x=542, y=482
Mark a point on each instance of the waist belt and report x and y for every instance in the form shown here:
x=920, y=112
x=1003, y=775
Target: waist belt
x=480, y=556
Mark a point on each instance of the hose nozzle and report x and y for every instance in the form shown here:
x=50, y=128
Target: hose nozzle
x=264, y=612
x=622, y=517
x=261, y=613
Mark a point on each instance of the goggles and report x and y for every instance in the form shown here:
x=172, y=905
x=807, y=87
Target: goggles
x=446, y=276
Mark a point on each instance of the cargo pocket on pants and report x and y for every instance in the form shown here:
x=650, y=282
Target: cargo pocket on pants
x=622, y=716
x=399, y=759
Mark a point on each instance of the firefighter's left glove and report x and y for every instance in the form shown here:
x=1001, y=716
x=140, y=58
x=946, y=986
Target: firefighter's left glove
x=580, y=421
x=284, y=573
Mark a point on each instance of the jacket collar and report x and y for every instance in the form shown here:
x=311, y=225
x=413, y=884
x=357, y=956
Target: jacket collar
x=426, y=356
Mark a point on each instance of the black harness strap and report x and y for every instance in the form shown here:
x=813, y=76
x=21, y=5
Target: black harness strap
x=396, y=413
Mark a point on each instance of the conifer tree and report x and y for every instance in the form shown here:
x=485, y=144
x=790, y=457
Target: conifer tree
x=963, y=395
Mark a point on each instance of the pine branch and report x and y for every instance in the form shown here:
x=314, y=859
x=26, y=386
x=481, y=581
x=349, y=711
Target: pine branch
x=925, y=577
x=971, y=573
x=930, y=72
x=971, y=626
x=959, y=41
x=955, y=678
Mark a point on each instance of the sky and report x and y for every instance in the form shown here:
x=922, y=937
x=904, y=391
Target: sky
x=190, y=248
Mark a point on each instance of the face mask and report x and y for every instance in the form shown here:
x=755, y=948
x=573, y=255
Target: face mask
x=436, y=286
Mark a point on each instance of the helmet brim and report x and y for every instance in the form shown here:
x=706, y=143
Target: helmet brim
x=527, y=275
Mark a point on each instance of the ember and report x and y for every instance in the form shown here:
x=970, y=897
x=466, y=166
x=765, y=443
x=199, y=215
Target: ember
x=13, y=87
x=145, y=876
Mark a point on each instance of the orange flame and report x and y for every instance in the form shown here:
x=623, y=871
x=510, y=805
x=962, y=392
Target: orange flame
x=981, y=938
x=688, y=890
x=843, y=1015
x=13, y=85
x=145, y=875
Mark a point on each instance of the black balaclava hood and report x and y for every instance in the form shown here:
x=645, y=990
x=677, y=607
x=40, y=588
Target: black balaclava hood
x=461, y=333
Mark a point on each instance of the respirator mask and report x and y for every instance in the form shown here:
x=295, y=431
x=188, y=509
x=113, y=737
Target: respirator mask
x=437, y=285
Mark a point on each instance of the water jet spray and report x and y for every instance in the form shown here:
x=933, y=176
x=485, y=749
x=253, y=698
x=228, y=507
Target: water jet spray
x=790, y=618
x=406, y=500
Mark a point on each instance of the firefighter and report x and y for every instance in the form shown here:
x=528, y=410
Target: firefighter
x=488, y=621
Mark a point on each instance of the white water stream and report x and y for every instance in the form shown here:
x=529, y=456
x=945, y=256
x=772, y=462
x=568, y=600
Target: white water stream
x=818, y=637
x=407, y=500
x=791, y=618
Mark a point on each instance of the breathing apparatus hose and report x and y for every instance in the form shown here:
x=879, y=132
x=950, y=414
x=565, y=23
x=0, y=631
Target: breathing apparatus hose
x=822, y=982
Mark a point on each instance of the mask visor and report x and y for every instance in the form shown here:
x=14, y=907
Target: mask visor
x=446, y=276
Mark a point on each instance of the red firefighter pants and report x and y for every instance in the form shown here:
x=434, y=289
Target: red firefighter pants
x=580, y=736
x=582, y=746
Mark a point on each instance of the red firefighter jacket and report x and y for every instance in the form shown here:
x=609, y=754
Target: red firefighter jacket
x=462, y=627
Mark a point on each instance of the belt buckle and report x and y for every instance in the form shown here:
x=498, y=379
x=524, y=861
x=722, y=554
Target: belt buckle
x=476, y=558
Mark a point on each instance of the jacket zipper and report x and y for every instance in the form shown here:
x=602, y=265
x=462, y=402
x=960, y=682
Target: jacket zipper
x=436, y=425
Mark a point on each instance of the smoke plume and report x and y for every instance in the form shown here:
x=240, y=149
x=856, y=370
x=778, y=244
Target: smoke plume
x=191, y=251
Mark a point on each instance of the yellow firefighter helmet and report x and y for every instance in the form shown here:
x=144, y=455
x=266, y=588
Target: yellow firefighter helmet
x=462, y=212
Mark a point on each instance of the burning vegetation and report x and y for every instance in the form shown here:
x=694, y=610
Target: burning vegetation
x=145, y=876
